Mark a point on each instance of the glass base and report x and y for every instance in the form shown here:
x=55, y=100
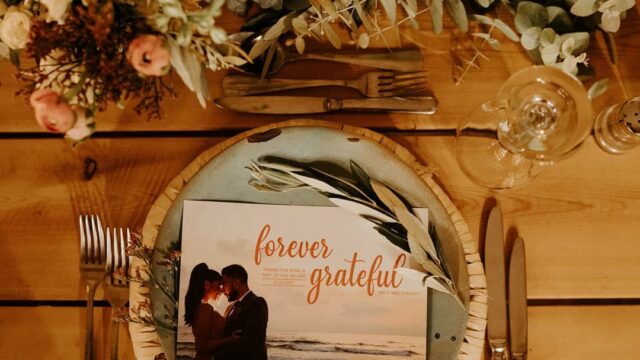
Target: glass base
x=487, y=163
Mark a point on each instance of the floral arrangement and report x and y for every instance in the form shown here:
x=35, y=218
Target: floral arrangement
x=86, y=54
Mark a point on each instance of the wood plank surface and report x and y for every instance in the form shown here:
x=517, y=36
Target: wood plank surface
x=555, y=332
x=44, y=332
x=579, y=219
x=583, y=332
x=455, y=101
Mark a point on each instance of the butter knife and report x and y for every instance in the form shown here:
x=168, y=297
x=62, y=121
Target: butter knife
x=496, y=287
x=518, y=301
x=316, y=105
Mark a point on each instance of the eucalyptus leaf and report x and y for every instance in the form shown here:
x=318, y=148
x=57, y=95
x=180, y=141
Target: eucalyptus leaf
x=458, y=14
x=584, y=8
x=559, y=20
x=506, y=30
x=610, y=21
x=530, y=15
x=484, y=3
x=436, y=15
x=530, y=38
x=623, y=5
x=548, y=36
x=581, y=41
x=550, y=54
x=598, y=88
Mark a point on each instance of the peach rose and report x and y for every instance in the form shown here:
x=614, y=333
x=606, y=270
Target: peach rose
x=148, y=55
x=52, y=112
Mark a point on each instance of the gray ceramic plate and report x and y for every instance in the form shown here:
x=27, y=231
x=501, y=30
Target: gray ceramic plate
x=225, y=178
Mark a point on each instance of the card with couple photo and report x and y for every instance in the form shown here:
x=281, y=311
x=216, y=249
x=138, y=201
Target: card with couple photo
x=286, y=282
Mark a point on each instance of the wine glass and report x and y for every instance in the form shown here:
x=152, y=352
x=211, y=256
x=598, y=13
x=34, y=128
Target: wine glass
x=539, y=116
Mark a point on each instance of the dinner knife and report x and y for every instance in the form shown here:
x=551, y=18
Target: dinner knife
x=496, y=287
x=316, y=105
x=518, y=301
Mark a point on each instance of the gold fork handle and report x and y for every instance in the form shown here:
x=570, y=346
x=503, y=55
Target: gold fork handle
x=88, y=338
x=240, y=85
x=406, y=60
x=115, y=328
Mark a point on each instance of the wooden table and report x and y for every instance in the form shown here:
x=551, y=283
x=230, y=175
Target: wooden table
x=580, y=219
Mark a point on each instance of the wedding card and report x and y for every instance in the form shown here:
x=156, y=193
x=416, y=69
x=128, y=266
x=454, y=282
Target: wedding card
x=326, y=274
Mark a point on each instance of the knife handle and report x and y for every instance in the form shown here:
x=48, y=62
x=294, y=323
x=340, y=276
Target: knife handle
x=425, y=105
x=239, y=85
x=406, y=60
x=498, y=349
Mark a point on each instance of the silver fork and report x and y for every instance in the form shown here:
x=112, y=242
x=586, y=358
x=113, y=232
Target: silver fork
x=116, y=288
x=92, y=254
x=372, y=84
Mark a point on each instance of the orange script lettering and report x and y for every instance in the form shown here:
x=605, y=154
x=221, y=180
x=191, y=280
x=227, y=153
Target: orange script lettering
x=280, y=248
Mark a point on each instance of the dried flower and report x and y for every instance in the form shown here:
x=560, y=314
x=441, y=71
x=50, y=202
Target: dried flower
x=14, y=29
x=53, y=113
x=149, y=56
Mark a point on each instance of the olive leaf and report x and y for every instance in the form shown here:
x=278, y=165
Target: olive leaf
x=506, y=30
x=598, y=88
x=359, y=208
x=387, y=196
x=436, y=15
x=334, y=39
x=458, y=14
x=417, y=231
x=390, y=8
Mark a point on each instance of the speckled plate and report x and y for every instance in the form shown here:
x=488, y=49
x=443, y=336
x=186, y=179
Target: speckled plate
x=219, y=174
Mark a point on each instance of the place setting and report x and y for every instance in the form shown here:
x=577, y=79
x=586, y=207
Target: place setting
x=307, y=238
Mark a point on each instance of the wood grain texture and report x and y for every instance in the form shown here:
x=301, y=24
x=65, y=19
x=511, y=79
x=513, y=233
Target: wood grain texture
x=455, y=101
x=582, y=211
x=57, y=333
x=579, y=219
x=583, y=332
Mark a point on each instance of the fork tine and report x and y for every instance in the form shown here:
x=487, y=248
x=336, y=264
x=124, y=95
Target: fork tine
x=83, y=240
x=92, y=239
x=123, y=256
x=101, y=242
x=109, y=267
x=127, y=257
x=418, y=74
x=404, y=91
x=402, y=84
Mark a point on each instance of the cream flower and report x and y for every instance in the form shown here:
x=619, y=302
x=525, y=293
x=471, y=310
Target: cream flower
x=14, y=29
x=57, y=9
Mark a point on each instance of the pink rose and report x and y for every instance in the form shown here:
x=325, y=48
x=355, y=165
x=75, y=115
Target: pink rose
x=148, y=55
x=52, y=112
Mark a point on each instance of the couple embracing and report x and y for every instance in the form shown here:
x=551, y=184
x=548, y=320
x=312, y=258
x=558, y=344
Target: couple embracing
x=239, y=334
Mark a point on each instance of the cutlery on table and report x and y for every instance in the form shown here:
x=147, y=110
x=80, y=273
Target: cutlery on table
x=372, y=84
x=401, y=60
x=518, y=301
x=92, y=269
x=496, y=287
x=116, y=288
x=315, y=105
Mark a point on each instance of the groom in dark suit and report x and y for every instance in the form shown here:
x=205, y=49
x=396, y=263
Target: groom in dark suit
x=246, y=316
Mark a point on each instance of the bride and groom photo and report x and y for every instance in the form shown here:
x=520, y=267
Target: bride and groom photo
x=237, y=332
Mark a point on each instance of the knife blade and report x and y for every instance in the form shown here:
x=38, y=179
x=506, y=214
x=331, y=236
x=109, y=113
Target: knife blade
x=315, y=105
x=496, y=287
x=518, y=301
